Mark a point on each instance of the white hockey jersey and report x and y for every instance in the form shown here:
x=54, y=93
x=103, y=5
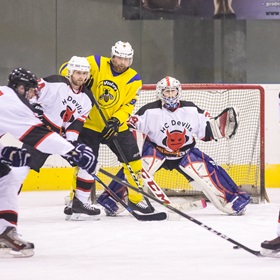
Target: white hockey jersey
x=172, y=131
x=19, y=120
x=65, y=110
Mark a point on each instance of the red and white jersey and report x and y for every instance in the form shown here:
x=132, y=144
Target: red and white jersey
x=172, y=131
x=19, y=120
x=65, y=109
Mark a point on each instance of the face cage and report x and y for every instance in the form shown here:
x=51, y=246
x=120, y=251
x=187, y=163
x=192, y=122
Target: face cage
x=170, y=102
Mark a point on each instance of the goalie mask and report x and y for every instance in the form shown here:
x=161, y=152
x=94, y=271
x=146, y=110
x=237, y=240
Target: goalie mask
x=169, y=90
x=21, y=80
x=77, y=63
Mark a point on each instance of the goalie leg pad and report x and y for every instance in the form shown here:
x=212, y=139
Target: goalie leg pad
x=112, y=207
x=214, y=182
x=152, y=159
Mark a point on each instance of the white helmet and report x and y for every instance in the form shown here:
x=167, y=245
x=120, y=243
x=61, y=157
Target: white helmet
x=79, y=64
x=169, y=83
x=122, y=49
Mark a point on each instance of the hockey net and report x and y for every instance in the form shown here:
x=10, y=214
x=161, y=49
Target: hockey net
x=242, y=156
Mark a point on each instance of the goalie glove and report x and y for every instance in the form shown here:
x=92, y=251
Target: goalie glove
x=225, y=124
x=83, y=157
x=111, y=129
x=15, y=156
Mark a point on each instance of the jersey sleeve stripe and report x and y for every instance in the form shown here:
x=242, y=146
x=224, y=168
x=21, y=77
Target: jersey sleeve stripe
x=35, y=135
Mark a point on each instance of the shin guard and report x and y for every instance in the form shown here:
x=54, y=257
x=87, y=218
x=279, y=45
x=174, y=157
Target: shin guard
x=214, y=182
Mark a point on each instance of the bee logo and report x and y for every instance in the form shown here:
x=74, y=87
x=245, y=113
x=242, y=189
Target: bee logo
x=106, y=96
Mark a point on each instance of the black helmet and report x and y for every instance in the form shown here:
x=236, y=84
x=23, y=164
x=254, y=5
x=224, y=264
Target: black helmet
x=21, y=76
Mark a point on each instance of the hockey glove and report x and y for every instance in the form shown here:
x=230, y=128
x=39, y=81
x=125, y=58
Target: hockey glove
x=38, y=110
x=111, y=129
x=15, y=156
x=131, y=121
x=83, y=156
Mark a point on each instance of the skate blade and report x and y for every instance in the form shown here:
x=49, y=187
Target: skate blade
x=8, y=253
x=67, y=217
x=270, y=253
x=83, y=217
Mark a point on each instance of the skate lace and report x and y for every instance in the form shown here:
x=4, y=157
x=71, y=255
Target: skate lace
x=88, y=206
x=142, y=205
x=16, y=236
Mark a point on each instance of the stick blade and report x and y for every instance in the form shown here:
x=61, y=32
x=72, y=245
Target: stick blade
x=160, y=216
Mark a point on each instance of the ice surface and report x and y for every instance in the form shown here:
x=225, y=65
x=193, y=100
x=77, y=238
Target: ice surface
x=123, y=248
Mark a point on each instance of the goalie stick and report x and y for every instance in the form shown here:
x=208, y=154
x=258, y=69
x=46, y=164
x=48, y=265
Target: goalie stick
x=159, y=193
x=237, y=244
x=145, y=217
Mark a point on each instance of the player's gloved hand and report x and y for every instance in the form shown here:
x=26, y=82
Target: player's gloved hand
x=112, y=128
x=83, y=156
x=14, y=156
x=38, y=110
x=131, y=121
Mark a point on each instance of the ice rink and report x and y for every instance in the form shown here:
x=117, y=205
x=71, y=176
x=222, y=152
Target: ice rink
x=123, y=248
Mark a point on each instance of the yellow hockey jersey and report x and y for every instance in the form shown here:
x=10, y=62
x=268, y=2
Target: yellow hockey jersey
x=115, y=93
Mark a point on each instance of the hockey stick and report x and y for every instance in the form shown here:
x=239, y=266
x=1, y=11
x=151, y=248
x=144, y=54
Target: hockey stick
x=160, y=194
x=115, y=141
x=147, y=217
x=237, y=244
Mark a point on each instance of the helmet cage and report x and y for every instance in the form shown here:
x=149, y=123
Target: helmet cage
x=169, y=84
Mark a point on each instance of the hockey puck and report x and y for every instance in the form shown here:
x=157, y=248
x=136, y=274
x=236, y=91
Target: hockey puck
x=236, y=247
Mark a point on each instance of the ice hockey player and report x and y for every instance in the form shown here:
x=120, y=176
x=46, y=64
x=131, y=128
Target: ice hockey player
x=115, y=86
x=18, y=119
x=63, y=104
x=271, y=248
x=170, y=125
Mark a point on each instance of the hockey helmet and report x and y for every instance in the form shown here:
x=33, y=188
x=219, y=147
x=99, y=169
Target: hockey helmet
x=79, y=64
x=21, y=76
x=122, y=49
x=169, y=90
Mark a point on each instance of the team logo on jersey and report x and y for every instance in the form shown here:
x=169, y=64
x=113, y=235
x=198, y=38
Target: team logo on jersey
x=109, y=94
x=175, y=139
x=68, y=115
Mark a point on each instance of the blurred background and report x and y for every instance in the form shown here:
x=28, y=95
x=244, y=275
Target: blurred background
x=185, y=39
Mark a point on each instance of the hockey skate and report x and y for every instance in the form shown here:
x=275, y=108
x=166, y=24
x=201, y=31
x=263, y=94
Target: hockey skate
x=271, y=248
x=83, y=211
x=11, y=246
x=68, y=211
x=141, y=207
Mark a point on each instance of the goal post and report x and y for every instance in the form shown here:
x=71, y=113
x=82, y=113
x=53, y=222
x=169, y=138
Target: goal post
x=242, y=156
